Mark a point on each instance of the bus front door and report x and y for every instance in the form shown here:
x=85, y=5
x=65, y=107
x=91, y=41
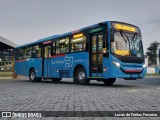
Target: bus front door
x=46, y=60
x=96, y=54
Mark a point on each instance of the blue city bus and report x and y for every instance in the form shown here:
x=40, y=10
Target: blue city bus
x=102, y=52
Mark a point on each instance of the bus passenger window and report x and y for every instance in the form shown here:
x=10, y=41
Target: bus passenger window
x=19, y=54
x=62, y=46
x=36, y=52
x=28, y=52
x=78, y=44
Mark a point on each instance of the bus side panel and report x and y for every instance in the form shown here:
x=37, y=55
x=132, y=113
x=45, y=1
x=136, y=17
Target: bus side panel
x=106, y=66
x=63, y=66
x=26, y=67
x=39, y=68
x=56, y=64
x=36, y=63
x=18, y=65
x=81, y=58
x=23, y=67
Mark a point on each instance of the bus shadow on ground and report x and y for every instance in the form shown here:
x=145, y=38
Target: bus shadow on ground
x=98, y=84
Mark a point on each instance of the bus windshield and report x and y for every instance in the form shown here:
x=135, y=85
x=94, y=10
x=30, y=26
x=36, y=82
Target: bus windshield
x=127, y=44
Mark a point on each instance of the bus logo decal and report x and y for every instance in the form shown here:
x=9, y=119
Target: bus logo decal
x=68, y=62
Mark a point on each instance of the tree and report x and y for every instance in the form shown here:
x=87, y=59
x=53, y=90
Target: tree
x=151, y=52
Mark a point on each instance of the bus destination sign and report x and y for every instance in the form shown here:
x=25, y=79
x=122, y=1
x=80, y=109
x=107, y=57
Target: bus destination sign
x=125, y=27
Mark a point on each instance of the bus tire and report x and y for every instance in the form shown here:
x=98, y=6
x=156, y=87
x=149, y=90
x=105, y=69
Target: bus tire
x=81, y=77
x=56, y=79
x=32, y=76
x=109, y=81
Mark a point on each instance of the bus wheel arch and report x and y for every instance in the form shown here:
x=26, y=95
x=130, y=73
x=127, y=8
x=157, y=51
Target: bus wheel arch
x=80, y=75
x=32, y=75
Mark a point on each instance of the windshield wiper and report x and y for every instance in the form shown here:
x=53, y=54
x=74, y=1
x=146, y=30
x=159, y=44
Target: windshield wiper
x=134, y=38
x=123, y=36
x=127, y=39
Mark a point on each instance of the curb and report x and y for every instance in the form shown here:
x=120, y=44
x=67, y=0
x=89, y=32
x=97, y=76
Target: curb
x=10, y=78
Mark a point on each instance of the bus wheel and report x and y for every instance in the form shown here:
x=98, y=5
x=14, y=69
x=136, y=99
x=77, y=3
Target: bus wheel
x=32, y=76
x=109, y=81
x=56, y=79
x=81, y=77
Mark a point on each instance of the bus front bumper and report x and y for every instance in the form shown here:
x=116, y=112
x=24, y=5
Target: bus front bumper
x=125, y=72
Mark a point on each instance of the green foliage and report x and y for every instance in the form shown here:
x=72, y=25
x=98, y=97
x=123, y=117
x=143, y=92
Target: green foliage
x=151, y=52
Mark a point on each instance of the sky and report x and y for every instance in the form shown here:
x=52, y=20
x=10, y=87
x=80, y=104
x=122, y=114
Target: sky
x=25, y=21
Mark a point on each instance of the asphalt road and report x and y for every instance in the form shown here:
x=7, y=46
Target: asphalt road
x=135, y=95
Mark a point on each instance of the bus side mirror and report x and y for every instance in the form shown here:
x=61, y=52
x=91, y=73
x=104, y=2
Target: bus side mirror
x=105, y=53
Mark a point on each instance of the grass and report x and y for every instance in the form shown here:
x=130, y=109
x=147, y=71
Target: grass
x=152, y=74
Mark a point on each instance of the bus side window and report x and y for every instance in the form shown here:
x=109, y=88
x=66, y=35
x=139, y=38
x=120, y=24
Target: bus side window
x=28, y=52
x=36, y=52
x=78, y=44
x=62, y=46
x=19, y=54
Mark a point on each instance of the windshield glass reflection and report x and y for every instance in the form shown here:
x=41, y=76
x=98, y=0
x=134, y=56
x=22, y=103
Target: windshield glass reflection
x=127, y=44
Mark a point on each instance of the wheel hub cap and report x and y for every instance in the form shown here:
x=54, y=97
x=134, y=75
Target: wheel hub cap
x=32, y=76
x=81, y=76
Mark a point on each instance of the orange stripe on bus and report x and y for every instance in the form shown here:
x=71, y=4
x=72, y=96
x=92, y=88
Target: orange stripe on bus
x=54, y=56
x=20, y=60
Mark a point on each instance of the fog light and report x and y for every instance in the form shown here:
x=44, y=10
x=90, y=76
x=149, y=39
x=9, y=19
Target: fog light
x=117, y=64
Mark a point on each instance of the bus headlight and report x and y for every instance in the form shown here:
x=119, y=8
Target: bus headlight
x=117, y=64
x=144, y=65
